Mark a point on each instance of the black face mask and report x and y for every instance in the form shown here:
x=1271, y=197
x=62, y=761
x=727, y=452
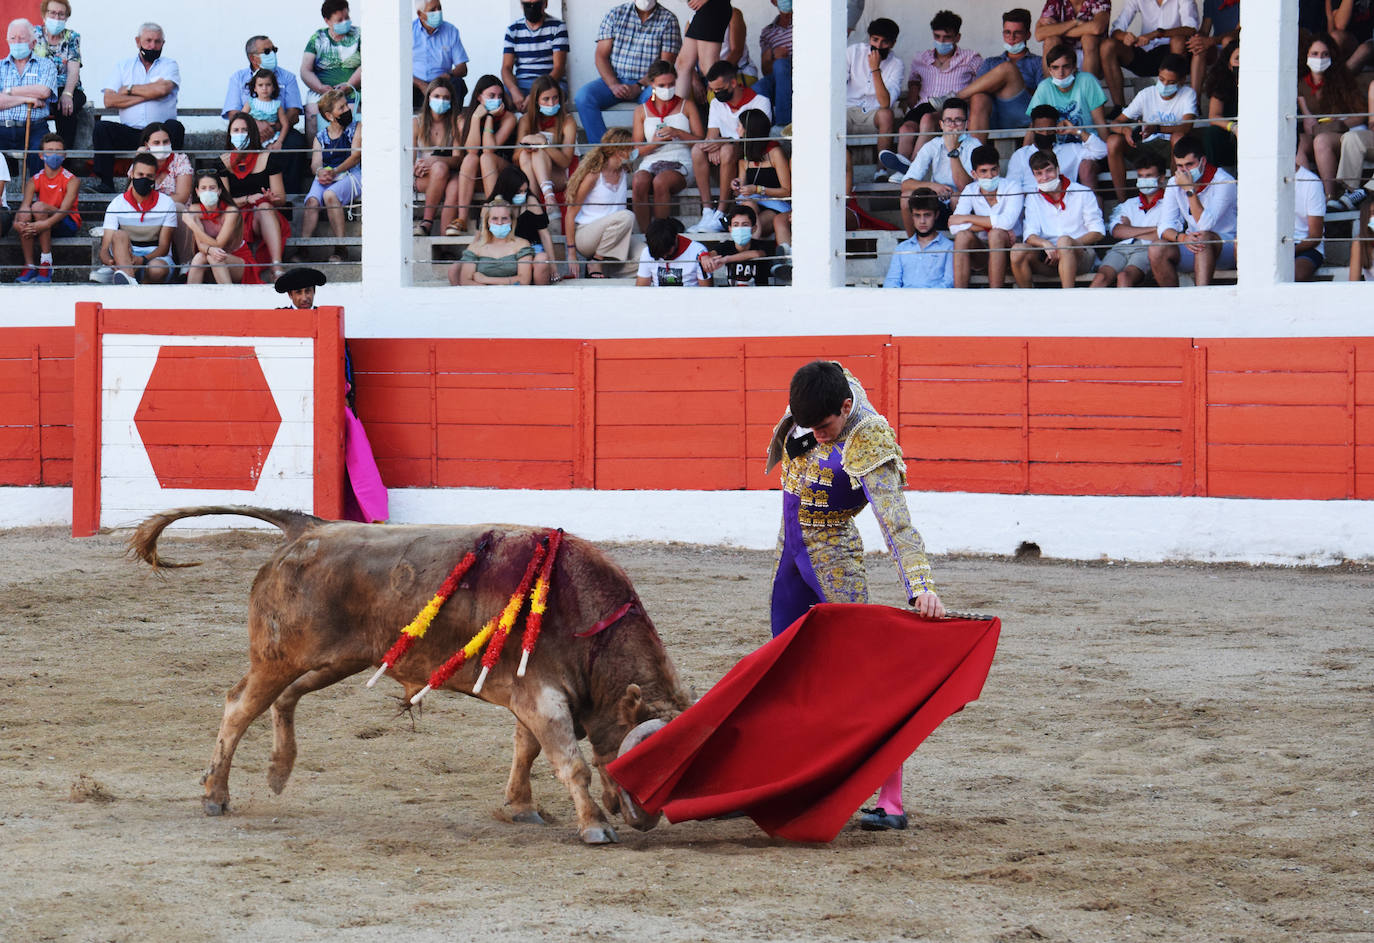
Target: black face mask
x=150, y=55
x=882, y=53
x=534, y=12
x=726, y=94
x=345, y=119
x=1045, y=142
x=142, y=185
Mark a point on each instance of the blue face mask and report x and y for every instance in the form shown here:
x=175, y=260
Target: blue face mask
x=492, y=104
x=434, y=18
x=20, y=50
x=944, y=49
x=343, y=26
x=784, y=6
x=1167, y=91
x=52, y=161
x=741, y=235
x=1196, y=172
x=54, y=26
x=989, y=184
x=1065, y=83
x=963, y=136
x=239, y=139
x=500, y=230
x=548, y=111
x=520, y=198
x=634, y=154
x=439, y=106
x=1014, y=49
x=268, y=61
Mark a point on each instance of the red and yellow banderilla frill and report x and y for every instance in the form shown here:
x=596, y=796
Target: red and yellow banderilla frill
x=539, y=603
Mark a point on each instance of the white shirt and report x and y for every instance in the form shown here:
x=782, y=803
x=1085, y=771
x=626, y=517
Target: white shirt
x=1218, y=208
x=726, y=119
x=4, y=179
x=1171, y=14
x=1310, y=200
x=1076, y=215
x=131, y=72
x=684, y=266
x=932, y=162
x=1150, y=107
x=143, y=227
x=1070, y=155
x=859, y=91
x=1133, y=212
x=1005, y=213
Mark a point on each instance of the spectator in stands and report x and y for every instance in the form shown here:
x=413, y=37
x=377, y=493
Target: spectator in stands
x=1000, y=94
x=944, y=166
x=936, y=74
x=144, y=89
x=1076, y=149
x=1220, y=27
x=1135, y=226
x=1198, y=230
x=734, y=50
x=748, y=264
x=262, y=54
x=333, y=58
x=986, y=222
x=252, y=178
x=531, y=222
x=764, y=180
x=175, y=176
x=548, y=135
x=536, y=45
x=1222, y=89
x=596, y=221
x=434, y=134
x=217, y=231
x=497, y=256
x=665, y=123
x=26, y=84
x=732, y=98
x=1165, y=27
x=262, y=100
x=6, y=217
x=926, y=260
x=873, y=85
x=62, y=46
x=337, y=160
x=1079, y=24
x=1326, y=88
x=138, y=228
x=701, y=46
x=488, y=131
x=436, y=49
x=48, y=208
x=1357, y=146
x=1063, y=222
x=775, y=63
x=671, y=259
x=631, y=38
x=1077, y=95
x=1166, y=111
x=1352, y=27
x=1361, y=247
x=1309, y=224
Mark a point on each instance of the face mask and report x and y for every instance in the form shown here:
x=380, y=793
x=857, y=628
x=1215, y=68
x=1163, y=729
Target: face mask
x=239, y=139
x=963, y=136
x=1167, y=90
x=52, y=161
x=150, y=55
x=548, y=111
x=1065, y=83
x=492, y=104
x=1315, y=63
x=500, y=230
x=882, y=53
x=520, y=198
x=989, y=184
x=1196, y=173
x=741, y=235
x=268, y=61
x=1147, y=185
x=142, y=185
x=644, y=6
x=343, y=26
x=923, y=233
x=784, y=6
x=345, y=119
x=440, y=106
x=209, y=199
x=634, y=155
x=434, y=18
x=944, y=49
x=1045, y=142
x=1014, y=49
x=20, y=50
x=1048, y=186
x=54, y=26
x=161, y=151
x=663, y=93
x=725, y=95
x=534, y=12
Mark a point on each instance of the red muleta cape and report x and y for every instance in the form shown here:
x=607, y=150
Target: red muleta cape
x=803, y=730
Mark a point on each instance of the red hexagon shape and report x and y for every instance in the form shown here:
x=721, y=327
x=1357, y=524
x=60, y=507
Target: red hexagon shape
x=207, y=418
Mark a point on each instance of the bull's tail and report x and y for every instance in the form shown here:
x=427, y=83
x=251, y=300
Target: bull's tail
x=143, y=543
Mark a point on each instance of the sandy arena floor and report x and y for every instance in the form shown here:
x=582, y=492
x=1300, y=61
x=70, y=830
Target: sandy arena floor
x=1161, y=753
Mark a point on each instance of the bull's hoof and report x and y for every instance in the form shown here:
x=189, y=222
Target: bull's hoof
x=529, y=817
x=599, y=835
x=215, y=808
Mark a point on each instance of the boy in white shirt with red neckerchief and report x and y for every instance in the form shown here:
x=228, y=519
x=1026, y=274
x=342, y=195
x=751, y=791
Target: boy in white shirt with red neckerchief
x=671, y=259
x=1198, y=231
x=1063, y=222
x=986, y=222
x=1135, y=226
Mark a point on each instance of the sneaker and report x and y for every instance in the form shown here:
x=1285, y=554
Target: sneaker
x=882, y=175
x=44, y=276
x=712, y=220
x=877, y=820
x=26, y=276
x=1351, y=199
x=102, y=275
x=122, y=278
x=894, y=162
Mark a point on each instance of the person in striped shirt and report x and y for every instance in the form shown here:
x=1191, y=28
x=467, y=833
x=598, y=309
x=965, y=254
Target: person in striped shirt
x=775, y=60
x=535, y=45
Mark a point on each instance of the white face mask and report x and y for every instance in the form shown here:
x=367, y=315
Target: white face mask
x=161, y=151
x=1318, y=64
x=209, y=199
x=1065, y=83
x=989, y=184
x=1048, y=186
x=1147, y=185
x=664, y=92
x=644, y=6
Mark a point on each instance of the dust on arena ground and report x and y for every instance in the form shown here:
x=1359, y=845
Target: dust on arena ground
x=1161, y=753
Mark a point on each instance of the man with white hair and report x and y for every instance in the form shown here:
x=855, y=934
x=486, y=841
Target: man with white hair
x=437, y=49
x=144, y=89
x=26, y=84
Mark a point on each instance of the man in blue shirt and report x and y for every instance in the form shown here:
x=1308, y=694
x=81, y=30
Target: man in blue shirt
x=262, y=54
x=26, y=85
x=926, y=260
x=437, y=50
x=536, y=45
x=632, y=37
x=1000, y=94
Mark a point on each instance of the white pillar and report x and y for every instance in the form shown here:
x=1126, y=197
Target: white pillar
x=818, y=147
x=386, y=158
x=1268, y=93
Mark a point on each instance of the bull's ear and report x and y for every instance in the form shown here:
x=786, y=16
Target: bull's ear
x=630, y=705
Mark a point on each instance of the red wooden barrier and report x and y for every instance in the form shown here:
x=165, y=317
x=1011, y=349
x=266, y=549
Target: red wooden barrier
x=36, y=406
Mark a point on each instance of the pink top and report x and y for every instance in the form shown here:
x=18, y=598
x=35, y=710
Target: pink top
x=178, y=165
x=958, y=72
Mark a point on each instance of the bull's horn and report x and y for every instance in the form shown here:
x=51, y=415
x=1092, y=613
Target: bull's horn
x=639, y=734
x=634, y=815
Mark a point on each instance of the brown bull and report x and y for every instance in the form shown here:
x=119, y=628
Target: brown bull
x=330, y=602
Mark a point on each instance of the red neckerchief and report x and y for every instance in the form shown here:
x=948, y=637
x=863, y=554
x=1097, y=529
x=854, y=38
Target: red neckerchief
x=142, y=210
x=683, y=244
x=162, y=165
x=548, y=124
x=1227, y=3
x=1147, y=205
x=1063, y=193
x=210, y=216
x=651, y=106
x=1205, y=179
x=1316, y=89
x=748, y=96
x=240, y=165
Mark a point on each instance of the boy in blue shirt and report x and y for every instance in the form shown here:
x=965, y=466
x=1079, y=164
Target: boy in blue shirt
x=926, y=260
